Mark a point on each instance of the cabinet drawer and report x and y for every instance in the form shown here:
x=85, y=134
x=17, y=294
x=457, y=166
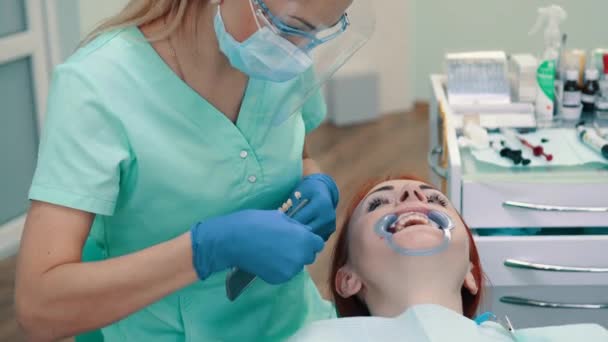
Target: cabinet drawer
x=524, y=315
x=556, y=260
x=492, y=205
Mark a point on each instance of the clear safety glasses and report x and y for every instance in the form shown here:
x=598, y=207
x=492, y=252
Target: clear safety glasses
x=307, y=39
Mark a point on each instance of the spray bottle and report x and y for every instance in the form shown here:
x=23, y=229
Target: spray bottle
x=552, y=17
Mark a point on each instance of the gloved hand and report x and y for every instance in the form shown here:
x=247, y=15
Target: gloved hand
x=320, y=213
x=266, y=243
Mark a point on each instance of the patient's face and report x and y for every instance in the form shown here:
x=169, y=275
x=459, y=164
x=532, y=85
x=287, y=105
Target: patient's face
x=380, y=267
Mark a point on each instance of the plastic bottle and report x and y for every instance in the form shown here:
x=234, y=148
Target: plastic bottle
x=545, y=75
x=590, y=90
x=571, y=105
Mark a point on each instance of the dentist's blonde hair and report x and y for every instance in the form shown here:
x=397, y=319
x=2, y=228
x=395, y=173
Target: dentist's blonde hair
x=141, y=12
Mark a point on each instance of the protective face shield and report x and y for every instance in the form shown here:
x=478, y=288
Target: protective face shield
x=298, y=45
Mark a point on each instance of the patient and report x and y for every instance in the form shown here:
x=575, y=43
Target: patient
x=420, y=282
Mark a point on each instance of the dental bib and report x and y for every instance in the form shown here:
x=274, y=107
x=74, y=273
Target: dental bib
x=434, y=323
x=440, y=220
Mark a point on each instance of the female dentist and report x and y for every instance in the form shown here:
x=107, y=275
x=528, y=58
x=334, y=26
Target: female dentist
x=171, y=138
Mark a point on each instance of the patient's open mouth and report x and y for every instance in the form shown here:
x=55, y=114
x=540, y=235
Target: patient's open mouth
x=393, y=228
x=410, y=219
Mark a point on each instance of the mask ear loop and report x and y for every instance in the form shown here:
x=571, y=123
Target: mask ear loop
x=444, y=222
x=257, y=15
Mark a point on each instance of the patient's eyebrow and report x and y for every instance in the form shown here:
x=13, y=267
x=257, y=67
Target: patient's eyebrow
x=384, y=188
x=427, y=187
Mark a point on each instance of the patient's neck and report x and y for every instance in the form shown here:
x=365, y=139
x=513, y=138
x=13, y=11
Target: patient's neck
x=398, y=301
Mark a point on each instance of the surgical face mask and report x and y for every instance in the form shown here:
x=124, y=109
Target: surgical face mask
x=265, y=55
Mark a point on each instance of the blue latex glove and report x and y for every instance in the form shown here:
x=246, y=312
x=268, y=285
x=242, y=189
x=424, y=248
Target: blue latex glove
x=266, y=243
x=320, y=213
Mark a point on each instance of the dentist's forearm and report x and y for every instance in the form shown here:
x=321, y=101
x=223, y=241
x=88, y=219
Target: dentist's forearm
x=76, y=297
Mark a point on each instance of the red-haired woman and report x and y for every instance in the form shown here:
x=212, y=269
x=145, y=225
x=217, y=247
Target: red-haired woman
x=419, y=283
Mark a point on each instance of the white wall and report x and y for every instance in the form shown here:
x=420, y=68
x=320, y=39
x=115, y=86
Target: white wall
x=388, y=55
x=92, y=12
x=442, y=26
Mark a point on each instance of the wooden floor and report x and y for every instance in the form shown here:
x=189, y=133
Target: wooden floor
x=397, y=143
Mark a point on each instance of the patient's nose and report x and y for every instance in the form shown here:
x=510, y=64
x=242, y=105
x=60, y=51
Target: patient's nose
x=412, y=194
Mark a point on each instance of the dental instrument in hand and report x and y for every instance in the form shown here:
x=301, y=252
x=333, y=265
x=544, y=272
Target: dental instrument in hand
x=386, y=228
x=237, y=280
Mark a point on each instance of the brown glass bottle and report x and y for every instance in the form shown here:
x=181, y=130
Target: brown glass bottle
x=590, y=90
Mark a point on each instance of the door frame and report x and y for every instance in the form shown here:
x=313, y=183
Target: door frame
x=31, y=43
x=43, y=43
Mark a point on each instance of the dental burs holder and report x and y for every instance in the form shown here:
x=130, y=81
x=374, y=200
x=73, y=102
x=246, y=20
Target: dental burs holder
x=441, y=219
x=237, y=280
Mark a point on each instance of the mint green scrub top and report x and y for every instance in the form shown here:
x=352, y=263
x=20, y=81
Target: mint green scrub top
x=127, y=140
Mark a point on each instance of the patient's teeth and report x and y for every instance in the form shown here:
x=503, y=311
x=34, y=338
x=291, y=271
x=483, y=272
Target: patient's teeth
x=410, y=219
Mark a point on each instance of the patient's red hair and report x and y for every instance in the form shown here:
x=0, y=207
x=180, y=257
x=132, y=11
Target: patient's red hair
x=353, y=306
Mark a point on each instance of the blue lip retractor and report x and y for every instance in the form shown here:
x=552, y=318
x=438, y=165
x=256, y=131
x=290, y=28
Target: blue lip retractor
x=444, y=222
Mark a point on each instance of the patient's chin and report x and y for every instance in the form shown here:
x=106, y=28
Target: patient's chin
x=418, y=237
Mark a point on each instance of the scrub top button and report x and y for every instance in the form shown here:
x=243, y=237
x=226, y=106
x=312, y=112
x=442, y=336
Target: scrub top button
x=244, y=154
x=253, y=179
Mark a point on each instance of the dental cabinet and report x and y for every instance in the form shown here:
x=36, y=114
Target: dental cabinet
x=535, y=280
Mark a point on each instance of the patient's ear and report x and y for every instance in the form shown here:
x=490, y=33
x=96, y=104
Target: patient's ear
x=469, y=281
x=347, y=282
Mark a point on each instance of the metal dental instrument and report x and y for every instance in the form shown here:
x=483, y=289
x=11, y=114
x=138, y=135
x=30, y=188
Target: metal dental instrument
x=237, y=280
x=538, y=151
x=443, y=221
